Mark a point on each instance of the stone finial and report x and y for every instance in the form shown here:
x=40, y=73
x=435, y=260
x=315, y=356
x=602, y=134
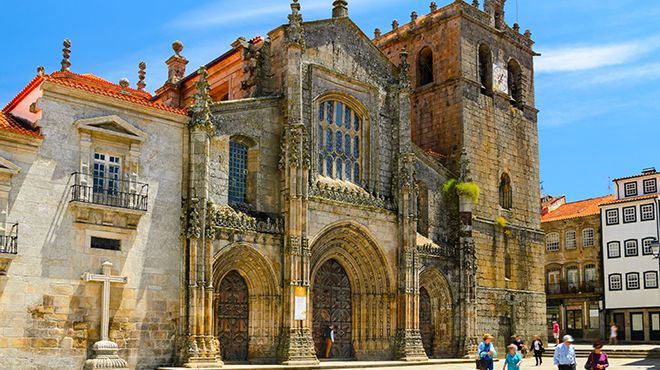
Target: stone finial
x=475, y=3
x=41, y=71
x=66, y=54
x=377, y=33
x=201, y=110
x=404, y=70
x=528, y=34
x=339, y=9
x=141, y=74
x=296, y=33
x=516, y=27
x=124, y=86
x=395, y=25
x=177, y=46
x=413, y=16
x=433, y=6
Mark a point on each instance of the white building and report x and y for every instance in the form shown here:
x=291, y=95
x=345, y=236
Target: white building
x=630, y=224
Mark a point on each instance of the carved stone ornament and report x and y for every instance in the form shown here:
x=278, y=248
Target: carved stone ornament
x=295, y=33
x=404, y=71
x=201, y=109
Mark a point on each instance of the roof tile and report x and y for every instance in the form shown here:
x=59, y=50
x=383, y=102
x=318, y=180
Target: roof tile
x=582, y=208
x=8, y=122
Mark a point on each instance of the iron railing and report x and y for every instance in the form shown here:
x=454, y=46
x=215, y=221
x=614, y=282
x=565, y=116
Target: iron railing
x=9, y=237
x=109, y=191
x=569, y=288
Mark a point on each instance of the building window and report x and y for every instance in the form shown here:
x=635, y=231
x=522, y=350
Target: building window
x=569, y=239
x=613, y=250
x=515, y=83
x=573, y=278
x=508, y=269
x=615, y=282
x=506, y=193
x=425, y=67
x=629, y=214
x=238, y=171
x=647, y=212
x=630, y=189
x=339, y=141
x=646, y=246
x=107, y=174
x=485, y=69
x=554, y=279
x=632, y=280
x=612, y=216
x=650, y=280
x=552, y=242
x=588, y=237
x=631, y=248
x=590, y=273
x=105, y=243
x=650, y=186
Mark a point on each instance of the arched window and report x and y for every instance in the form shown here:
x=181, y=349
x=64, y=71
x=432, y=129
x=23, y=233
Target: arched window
x=553, y=279
x=425, y=66
x=515, y=83
x=552, y=242
x=506, y=193
x=238, y=172
x=590, y=273
x=570, y=239
x=339, y=141
x=485, y=69
x=507, y=266
x=573, y=277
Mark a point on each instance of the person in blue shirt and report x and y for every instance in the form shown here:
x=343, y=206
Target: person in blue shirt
x=487, y=351
x=564, y=357
x=513, y=358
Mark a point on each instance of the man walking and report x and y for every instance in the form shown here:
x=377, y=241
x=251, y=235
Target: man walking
x=564, y=357
x=329, y=336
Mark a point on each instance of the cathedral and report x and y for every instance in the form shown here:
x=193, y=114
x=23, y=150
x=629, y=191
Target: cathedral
x=386, y=186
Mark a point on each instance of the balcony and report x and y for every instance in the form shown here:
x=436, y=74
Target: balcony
x=8, y=245
x=108, y=201
x=572, y=288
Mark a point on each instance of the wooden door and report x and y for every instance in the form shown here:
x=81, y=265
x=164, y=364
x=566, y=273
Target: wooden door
x=233, y=318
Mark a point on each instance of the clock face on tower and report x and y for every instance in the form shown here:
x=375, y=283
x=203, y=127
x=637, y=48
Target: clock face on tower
x=500, y=79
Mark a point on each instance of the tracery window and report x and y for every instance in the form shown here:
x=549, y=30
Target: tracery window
x=339, y=141
x=238, y=170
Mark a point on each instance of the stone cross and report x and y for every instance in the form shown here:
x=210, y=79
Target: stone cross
x=106, y=278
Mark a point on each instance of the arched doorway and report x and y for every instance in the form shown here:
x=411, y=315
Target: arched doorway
x=426, y=321
x=233, y=317
x=332, y=305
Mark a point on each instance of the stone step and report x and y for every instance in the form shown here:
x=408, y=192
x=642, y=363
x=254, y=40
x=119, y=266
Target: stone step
x=614, y=353
x=338, y=365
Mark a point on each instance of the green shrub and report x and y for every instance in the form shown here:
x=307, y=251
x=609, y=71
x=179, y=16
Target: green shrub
x=469, y=189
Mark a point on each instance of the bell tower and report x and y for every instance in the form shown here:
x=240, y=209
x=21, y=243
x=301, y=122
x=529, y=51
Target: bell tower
x=473, y=101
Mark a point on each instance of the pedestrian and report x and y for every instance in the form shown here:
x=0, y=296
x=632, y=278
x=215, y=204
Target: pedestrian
x=329, y=336
x=614, y=333
x=537, y=347
x=564, y=357
x=520, y=345
x=513, y=358
x=555, y=331
x=597, y=359
x=486, y=353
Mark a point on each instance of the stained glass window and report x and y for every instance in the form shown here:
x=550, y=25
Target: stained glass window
x=237, y=172
x=339, y=141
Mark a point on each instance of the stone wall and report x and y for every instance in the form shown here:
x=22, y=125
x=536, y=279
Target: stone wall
x=50, y=317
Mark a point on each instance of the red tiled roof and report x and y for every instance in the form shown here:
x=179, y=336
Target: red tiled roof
x=12, y=124
x=577, y=209
x=99, y=86
x=630, y=199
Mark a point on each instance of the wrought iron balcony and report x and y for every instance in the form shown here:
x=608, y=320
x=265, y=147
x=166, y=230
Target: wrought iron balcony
x=9, y=238
x=572, y=288
x=109, y=191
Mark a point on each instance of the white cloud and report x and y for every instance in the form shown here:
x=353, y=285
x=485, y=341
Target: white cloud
x=582, y=58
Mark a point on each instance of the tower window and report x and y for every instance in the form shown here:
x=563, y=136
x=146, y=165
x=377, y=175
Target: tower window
x=515, y=83
x=238, y=171
x=506, y=193
x=339, y=141
x=485, y=69
x=507, y=266
x=425, y=67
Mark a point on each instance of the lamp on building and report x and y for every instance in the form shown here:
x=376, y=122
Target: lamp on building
x=655, y=249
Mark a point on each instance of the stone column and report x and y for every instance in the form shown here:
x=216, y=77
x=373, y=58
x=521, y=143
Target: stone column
x=408, y=341
x=198, y=346
x=296, y=344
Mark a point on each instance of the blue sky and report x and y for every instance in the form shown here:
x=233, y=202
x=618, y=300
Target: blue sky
x=597, y=83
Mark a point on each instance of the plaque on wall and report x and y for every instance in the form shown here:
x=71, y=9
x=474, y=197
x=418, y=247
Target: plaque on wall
x=300, y=303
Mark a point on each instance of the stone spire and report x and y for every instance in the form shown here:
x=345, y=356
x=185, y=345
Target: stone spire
x=141, y=74
x=433, y=7
x=201, y=110
x=395, y=25
x=66, y=54
x=404, y=71
x=41, y=71
x=296, y=33
x=339, y=9
x=176, y=64
x=377, y=33
x=413, y=16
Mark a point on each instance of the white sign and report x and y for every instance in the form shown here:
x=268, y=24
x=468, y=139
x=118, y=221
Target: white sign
x=300, y=310
x=637, y=322
x=655, y=322
x=500, y=79
x=593, y=313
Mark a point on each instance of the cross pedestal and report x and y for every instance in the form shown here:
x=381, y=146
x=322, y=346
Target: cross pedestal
x=105, y=351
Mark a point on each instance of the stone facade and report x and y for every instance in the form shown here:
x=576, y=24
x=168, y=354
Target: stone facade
x=347, y=161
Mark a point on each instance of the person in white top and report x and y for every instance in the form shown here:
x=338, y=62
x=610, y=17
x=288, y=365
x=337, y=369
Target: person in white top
x=613, y=333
